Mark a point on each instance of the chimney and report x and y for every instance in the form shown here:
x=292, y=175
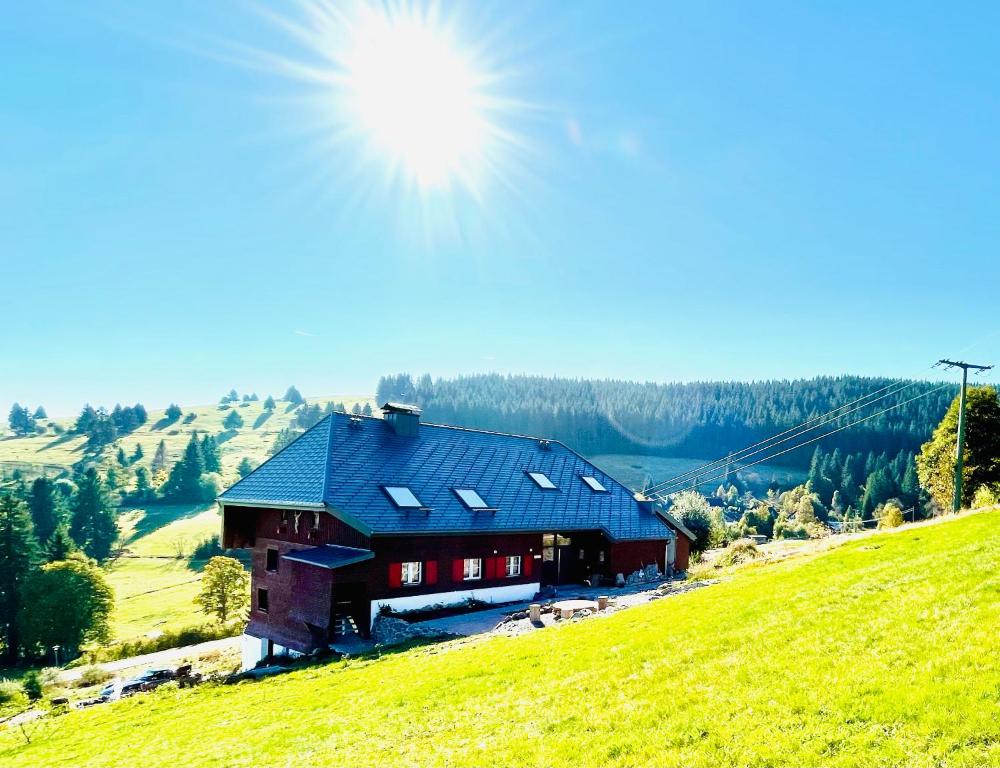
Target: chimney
x=404, y=419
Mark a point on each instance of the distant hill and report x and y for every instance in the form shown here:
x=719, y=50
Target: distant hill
x=699, y=419
x=51, y=453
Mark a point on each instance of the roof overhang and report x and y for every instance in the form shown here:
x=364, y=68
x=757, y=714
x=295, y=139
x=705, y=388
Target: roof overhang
x=673, y=521
x=329, y=556
x=304, y=505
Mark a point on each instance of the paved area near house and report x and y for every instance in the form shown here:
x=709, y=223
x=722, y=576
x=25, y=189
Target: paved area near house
x=479, y=622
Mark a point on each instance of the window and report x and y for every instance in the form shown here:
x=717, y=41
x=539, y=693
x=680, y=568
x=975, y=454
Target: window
x=315, y=521
x=403, y=497
x=542, y=481
x=470, y=498
x=412, y=573
x=594, y=484
x=272, y=560
x=473, y=569
x=513, y=565
x=262, y=600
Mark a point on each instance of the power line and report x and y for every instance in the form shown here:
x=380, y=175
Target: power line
x=799, y=430
x=820, y=437
x=956, y=500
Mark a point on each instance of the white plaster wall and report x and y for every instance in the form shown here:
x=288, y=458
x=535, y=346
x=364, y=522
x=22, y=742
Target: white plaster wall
x=252, y=650
x=508, y=594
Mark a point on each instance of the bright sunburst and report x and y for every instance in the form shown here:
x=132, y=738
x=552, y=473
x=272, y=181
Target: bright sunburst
x=417, y=97
x=405, y=101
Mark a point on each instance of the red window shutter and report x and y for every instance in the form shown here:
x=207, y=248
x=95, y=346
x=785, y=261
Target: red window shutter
x=395, y=574
x=431, y=572
x=491, y=568
x=502, y=567
x=526, y=564
x=457, y=570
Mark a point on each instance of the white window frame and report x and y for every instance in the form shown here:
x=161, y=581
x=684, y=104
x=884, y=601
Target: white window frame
x=593, y=484
x=398, y=495
x=512, y=566
x=542, y=480
x=472, y=569
x=471, y=503
x=412, y=574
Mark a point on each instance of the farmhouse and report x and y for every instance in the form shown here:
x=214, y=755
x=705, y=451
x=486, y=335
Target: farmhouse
x=364, y=512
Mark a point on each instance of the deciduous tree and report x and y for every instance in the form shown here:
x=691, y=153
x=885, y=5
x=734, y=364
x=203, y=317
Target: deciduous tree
x=225, y=589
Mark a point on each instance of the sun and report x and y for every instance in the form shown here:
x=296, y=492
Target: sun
x=416, y=97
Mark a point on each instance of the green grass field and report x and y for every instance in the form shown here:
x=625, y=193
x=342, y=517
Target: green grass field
x=155, y=582
x=882, y=652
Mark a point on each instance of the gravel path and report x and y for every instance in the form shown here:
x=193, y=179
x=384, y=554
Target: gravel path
x=158, y=659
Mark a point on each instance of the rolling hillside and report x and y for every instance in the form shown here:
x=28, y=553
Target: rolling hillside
x=881, y=652
x=154, y=580
x=35, y=453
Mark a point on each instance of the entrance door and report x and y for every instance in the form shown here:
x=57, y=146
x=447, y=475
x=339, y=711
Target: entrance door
x=558, y=563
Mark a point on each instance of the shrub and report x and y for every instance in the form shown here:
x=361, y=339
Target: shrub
x=742, y=551
x=986, y=496
x=175, y=638
x=12, y=694
x=33, y=684
x=892, y=516
x=93, y=675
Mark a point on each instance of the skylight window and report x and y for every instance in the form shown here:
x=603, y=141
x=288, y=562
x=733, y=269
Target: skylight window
x=594, y=484
x=542, y=481
x=470, y=498
x=403, y=497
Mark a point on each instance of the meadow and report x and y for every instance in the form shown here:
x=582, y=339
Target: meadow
x=881, y=652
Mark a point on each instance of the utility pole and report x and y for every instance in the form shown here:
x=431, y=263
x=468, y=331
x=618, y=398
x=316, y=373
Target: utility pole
x=956, y=502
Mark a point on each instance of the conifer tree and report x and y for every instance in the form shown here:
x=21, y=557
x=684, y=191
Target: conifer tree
x=19, y=555
x=294, y=396
x=121, y=458
x=47, y=507
x=245, y=467
x=210, y=454
x=94, y=523
x=159, y=462
x=269, y=403
x=232, y=421
x=60, y=544
x=184, y=483
x=137, y=454
x=40, y=413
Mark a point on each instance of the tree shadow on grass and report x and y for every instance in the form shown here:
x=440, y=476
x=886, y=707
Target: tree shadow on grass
x=63, y=438
x=262, y=419
x=291, y=407
x=223, y=437
x=156, y=516
x=163, y=423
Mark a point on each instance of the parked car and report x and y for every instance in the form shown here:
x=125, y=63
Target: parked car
x=147, y=681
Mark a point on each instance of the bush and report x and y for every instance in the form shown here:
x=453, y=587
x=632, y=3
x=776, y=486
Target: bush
x=12, y=694
x=33, y=685
x=892, y=516
x=986, y=496
x=175, y=638
x=93, y=676
x=739, y=552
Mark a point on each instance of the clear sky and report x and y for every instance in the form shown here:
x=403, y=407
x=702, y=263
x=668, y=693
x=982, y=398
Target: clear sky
x=668, y=192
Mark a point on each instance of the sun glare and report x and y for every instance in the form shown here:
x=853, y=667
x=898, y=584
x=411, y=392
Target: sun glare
x=410, y=104
x=416, y=97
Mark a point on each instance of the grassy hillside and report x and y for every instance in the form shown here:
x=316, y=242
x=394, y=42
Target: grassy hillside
x=154, y=581
x=881, y=652
x=252, y=441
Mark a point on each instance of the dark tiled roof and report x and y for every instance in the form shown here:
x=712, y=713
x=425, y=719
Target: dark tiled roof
x=344, y=462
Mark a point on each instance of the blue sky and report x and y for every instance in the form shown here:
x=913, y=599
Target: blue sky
x=697, y=191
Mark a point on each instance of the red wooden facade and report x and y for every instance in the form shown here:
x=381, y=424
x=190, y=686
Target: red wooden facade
x=305, y=602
